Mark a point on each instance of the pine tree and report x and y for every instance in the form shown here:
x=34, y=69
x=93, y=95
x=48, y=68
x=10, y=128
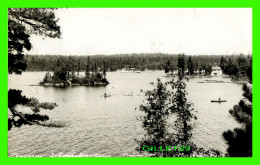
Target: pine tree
x=190, y=66
x=208, y=69
x=232, y=68
x=242, y=64
x=104, y=69
x=167, y=67
x=223, y=64
x=78, y=67
x=22, y=22
x=249, y=70
x=181, y=108
x=87, y=72
x=240, y=139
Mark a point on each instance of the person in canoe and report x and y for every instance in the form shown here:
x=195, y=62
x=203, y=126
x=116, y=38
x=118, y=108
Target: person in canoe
x=106, y=95
x=218, y=100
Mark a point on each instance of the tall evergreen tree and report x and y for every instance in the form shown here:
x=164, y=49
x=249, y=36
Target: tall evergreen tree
x=242, y=64
x=181, y=107
x=78, y=67
x=240, y=139
x=249, y=70
x=181, y=65
x=95, y=68
x=223, y=64
x=167, y=67
x=207, y=68
x=190, y=66
x=104, y=69
x=87, y=72
x=232, y=68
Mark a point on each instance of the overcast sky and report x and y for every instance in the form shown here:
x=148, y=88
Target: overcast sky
x=93, y=31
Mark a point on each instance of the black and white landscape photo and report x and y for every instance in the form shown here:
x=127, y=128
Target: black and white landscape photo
x=130, y=82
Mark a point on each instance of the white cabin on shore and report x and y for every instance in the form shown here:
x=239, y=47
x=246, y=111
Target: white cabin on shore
x=216, y=71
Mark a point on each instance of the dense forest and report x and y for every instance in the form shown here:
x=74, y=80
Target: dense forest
x=236, y=66
x=156, y=61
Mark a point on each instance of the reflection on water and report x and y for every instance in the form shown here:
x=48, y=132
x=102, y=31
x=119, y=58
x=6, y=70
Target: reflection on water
x=96, y=125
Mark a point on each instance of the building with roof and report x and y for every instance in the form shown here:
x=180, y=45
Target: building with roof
x=216, y=71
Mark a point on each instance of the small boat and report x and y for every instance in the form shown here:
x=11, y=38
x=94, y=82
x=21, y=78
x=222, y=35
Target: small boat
x=106, y=95
x=130, y=70
x=218, y=101
x=169, y=75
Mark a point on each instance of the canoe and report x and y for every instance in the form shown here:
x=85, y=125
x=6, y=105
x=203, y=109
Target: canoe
x=218, y=101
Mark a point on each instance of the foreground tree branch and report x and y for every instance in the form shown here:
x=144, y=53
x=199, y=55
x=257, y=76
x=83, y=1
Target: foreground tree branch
x=23, y=22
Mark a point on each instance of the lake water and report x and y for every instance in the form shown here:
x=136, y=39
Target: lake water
x=95, y=125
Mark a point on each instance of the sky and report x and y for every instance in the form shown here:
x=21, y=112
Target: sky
x=193, y=31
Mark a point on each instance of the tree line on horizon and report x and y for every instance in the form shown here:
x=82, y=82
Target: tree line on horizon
x=233, y=65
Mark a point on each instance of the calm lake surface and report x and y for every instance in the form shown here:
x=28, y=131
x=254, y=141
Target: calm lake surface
x=95, y=125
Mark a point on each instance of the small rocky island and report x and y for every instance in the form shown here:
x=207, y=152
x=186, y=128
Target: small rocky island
x=62, y=77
